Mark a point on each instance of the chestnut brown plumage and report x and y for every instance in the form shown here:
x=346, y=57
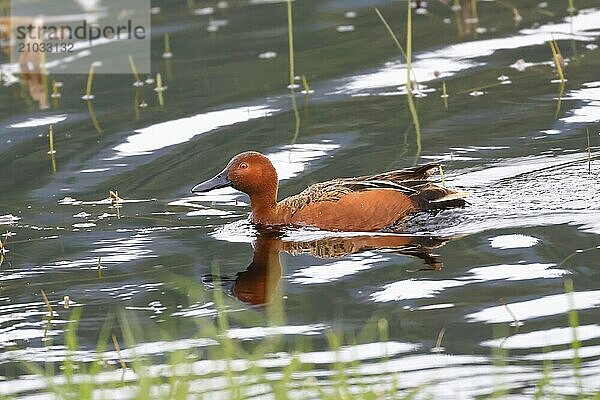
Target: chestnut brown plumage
x=366, y=203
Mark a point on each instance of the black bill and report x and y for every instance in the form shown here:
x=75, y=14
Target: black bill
x=219, y=181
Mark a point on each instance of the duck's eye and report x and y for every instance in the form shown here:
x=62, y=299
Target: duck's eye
x=243, y=165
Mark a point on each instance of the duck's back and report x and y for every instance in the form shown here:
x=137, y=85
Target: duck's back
x=369, y=203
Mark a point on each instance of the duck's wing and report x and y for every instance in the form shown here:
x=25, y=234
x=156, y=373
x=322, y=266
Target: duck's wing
x=411, y=182
x=324, y=191
x=414, y=183
x=408, y=181
x=335, y=189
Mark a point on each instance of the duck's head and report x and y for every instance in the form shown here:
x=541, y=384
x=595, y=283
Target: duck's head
x=249, y=172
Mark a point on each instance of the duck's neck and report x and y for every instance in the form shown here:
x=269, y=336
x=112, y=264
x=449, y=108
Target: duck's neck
x=264, y=206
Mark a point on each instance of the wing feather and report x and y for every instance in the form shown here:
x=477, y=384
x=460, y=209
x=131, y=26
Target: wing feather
x=410, y=181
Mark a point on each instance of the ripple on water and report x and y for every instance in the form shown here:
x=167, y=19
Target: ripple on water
x=527, y=191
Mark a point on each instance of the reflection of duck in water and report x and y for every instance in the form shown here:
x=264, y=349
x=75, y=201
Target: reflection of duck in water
x=367, y=203
x=259, y=282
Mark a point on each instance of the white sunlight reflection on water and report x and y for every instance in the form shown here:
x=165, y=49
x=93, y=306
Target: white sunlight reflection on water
x=556, y=304
x=8, y=219
x=411, y=289
x=414, y=289
x=549, y=337
x=513, y=241
x=169, y=133
x=338, y=269
x=589, y=112
x=582, y=26
x=41, y=121
x=262, y=332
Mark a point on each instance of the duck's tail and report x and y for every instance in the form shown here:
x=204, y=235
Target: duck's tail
x=433, y=197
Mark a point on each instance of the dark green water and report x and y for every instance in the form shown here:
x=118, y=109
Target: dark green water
x=507, y=135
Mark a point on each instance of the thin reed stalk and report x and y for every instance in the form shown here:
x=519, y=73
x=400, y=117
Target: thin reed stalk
x=118, y=350
x=411, y=104
x=396, y=41
x=408, y=55
x=51, y=145
x=391, y=32
x=134, y=70
x=561, y=91
x=48, y=305
x=558, y=59
x=408, y=47
x=474, y=9
x=90, y=80
x=291, y=42
x=55, y=94
x=167, y=53
x=440, y=337
x=93, y=116
x=305, y=85
x=574, y=324
x=442, y=176
x=589, y=149
x=541, y=389
x=292, y=70
x=223, y=328
x=160, y=89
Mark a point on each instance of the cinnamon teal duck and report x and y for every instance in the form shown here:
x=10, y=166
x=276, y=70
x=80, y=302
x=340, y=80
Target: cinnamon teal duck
x=366, y=203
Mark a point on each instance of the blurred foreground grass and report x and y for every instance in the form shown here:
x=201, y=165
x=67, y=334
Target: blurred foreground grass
x=270, y=367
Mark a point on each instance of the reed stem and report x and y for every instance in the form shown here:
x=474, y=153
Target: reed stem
x=589, y=149
x=391, y=32
x=445, y=94
x=408, y=47
x=48, y=305
x=167, y=43
x=134, y=70
x=442, y=176
x=558, y=59
x=574, y=324
x=51, y=145
x=118, y=350
x=305, y=84
x=90, y=79
x=291, y=42
x=159, y=89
